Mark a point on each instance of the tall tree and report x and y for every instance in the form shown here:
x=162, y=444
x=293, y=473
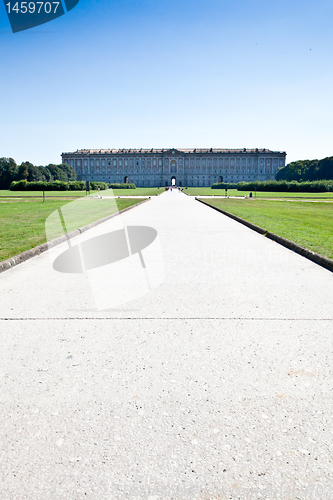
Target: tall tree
x=8, y=172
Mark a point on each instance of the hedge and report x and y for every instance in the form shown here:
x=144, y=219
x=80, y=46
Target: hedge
x=279, y=186
x=285, y=186
x=122, y=186
x=55, y=186
x=224, y=185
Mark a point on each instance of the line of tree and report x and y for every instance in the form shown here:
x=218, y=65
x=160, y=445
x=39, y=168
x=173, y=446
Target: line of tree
x=10, y=171
x=307, y=170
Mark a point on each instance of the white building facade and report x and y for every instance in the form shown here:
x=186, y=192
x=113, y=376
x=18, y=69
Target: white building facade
x=182, y=167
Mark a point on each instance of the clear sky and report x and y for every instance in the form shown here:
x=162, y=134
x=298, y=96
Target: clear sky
x=170, y=73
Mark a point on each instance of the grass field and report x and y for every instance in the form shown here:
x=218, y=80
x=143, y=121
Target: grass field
x=78, y=194
x=206, y=191
x=22, y=223
x=308, y=224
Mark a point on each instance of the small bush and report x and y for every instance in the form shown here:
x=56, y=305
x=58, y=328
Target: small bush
x=224, y=185
x=94, y=185
x=123, y=186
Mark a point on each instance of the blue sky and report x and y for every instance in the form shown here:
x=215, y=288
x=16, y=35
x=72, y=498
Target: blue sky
x=185, y=73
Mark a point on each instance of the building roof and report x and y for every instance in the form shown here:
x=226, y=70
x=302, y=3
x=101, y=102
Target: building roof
x=169, y=150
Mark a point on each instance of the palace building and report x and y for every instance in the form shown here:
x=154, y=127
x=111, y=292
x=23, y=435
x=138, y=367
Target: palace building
x=182, y=167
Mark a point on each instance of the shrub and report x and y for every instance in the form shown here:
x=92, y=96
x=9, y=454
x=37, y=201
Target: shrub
x=94, y=185
x=123, y=186
x=224, y=185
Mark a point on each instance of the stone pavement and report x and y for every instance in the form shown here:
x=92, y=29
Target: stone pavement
x=215, y=383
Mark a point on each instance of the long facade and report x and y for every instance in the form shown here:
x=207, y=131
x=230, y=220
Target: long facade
x=182, y=167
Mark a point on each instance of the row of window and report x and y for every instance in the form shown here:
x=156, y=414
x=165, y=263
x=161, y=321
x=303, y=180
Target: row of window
x=149, y=171
x=198, y=162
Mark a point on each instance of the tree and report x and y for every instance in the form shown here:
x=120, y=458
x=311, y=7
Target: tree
x=23, y=172
x=8, y=172
x=307, y=170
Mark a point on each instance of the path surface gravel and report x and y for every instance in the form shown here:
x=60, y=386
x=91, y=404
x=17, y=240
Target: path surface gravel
x=213, y=383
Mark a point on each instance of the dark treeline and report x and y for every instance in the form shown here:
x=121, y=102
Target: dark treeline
x=307, y=170
x=10, y=171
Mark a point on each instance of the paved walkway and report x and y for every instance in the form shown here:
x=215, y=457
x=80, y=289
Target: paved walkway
x=214, y=382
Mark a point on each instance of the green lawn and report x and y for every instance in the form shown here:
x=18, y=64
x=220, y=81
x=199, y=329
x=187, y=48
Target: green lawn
x=77, y=194
x=207, y=191
x=153, y=191
x=22, y=223
x=308, y=224
x=39, y=194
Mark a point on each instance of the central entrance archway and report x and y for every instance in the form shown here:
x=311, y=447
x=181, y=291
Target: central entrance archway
x=173, y=180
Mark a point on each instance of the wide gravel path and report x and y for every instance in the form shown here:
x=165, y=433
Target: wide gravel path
x=213, y=382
